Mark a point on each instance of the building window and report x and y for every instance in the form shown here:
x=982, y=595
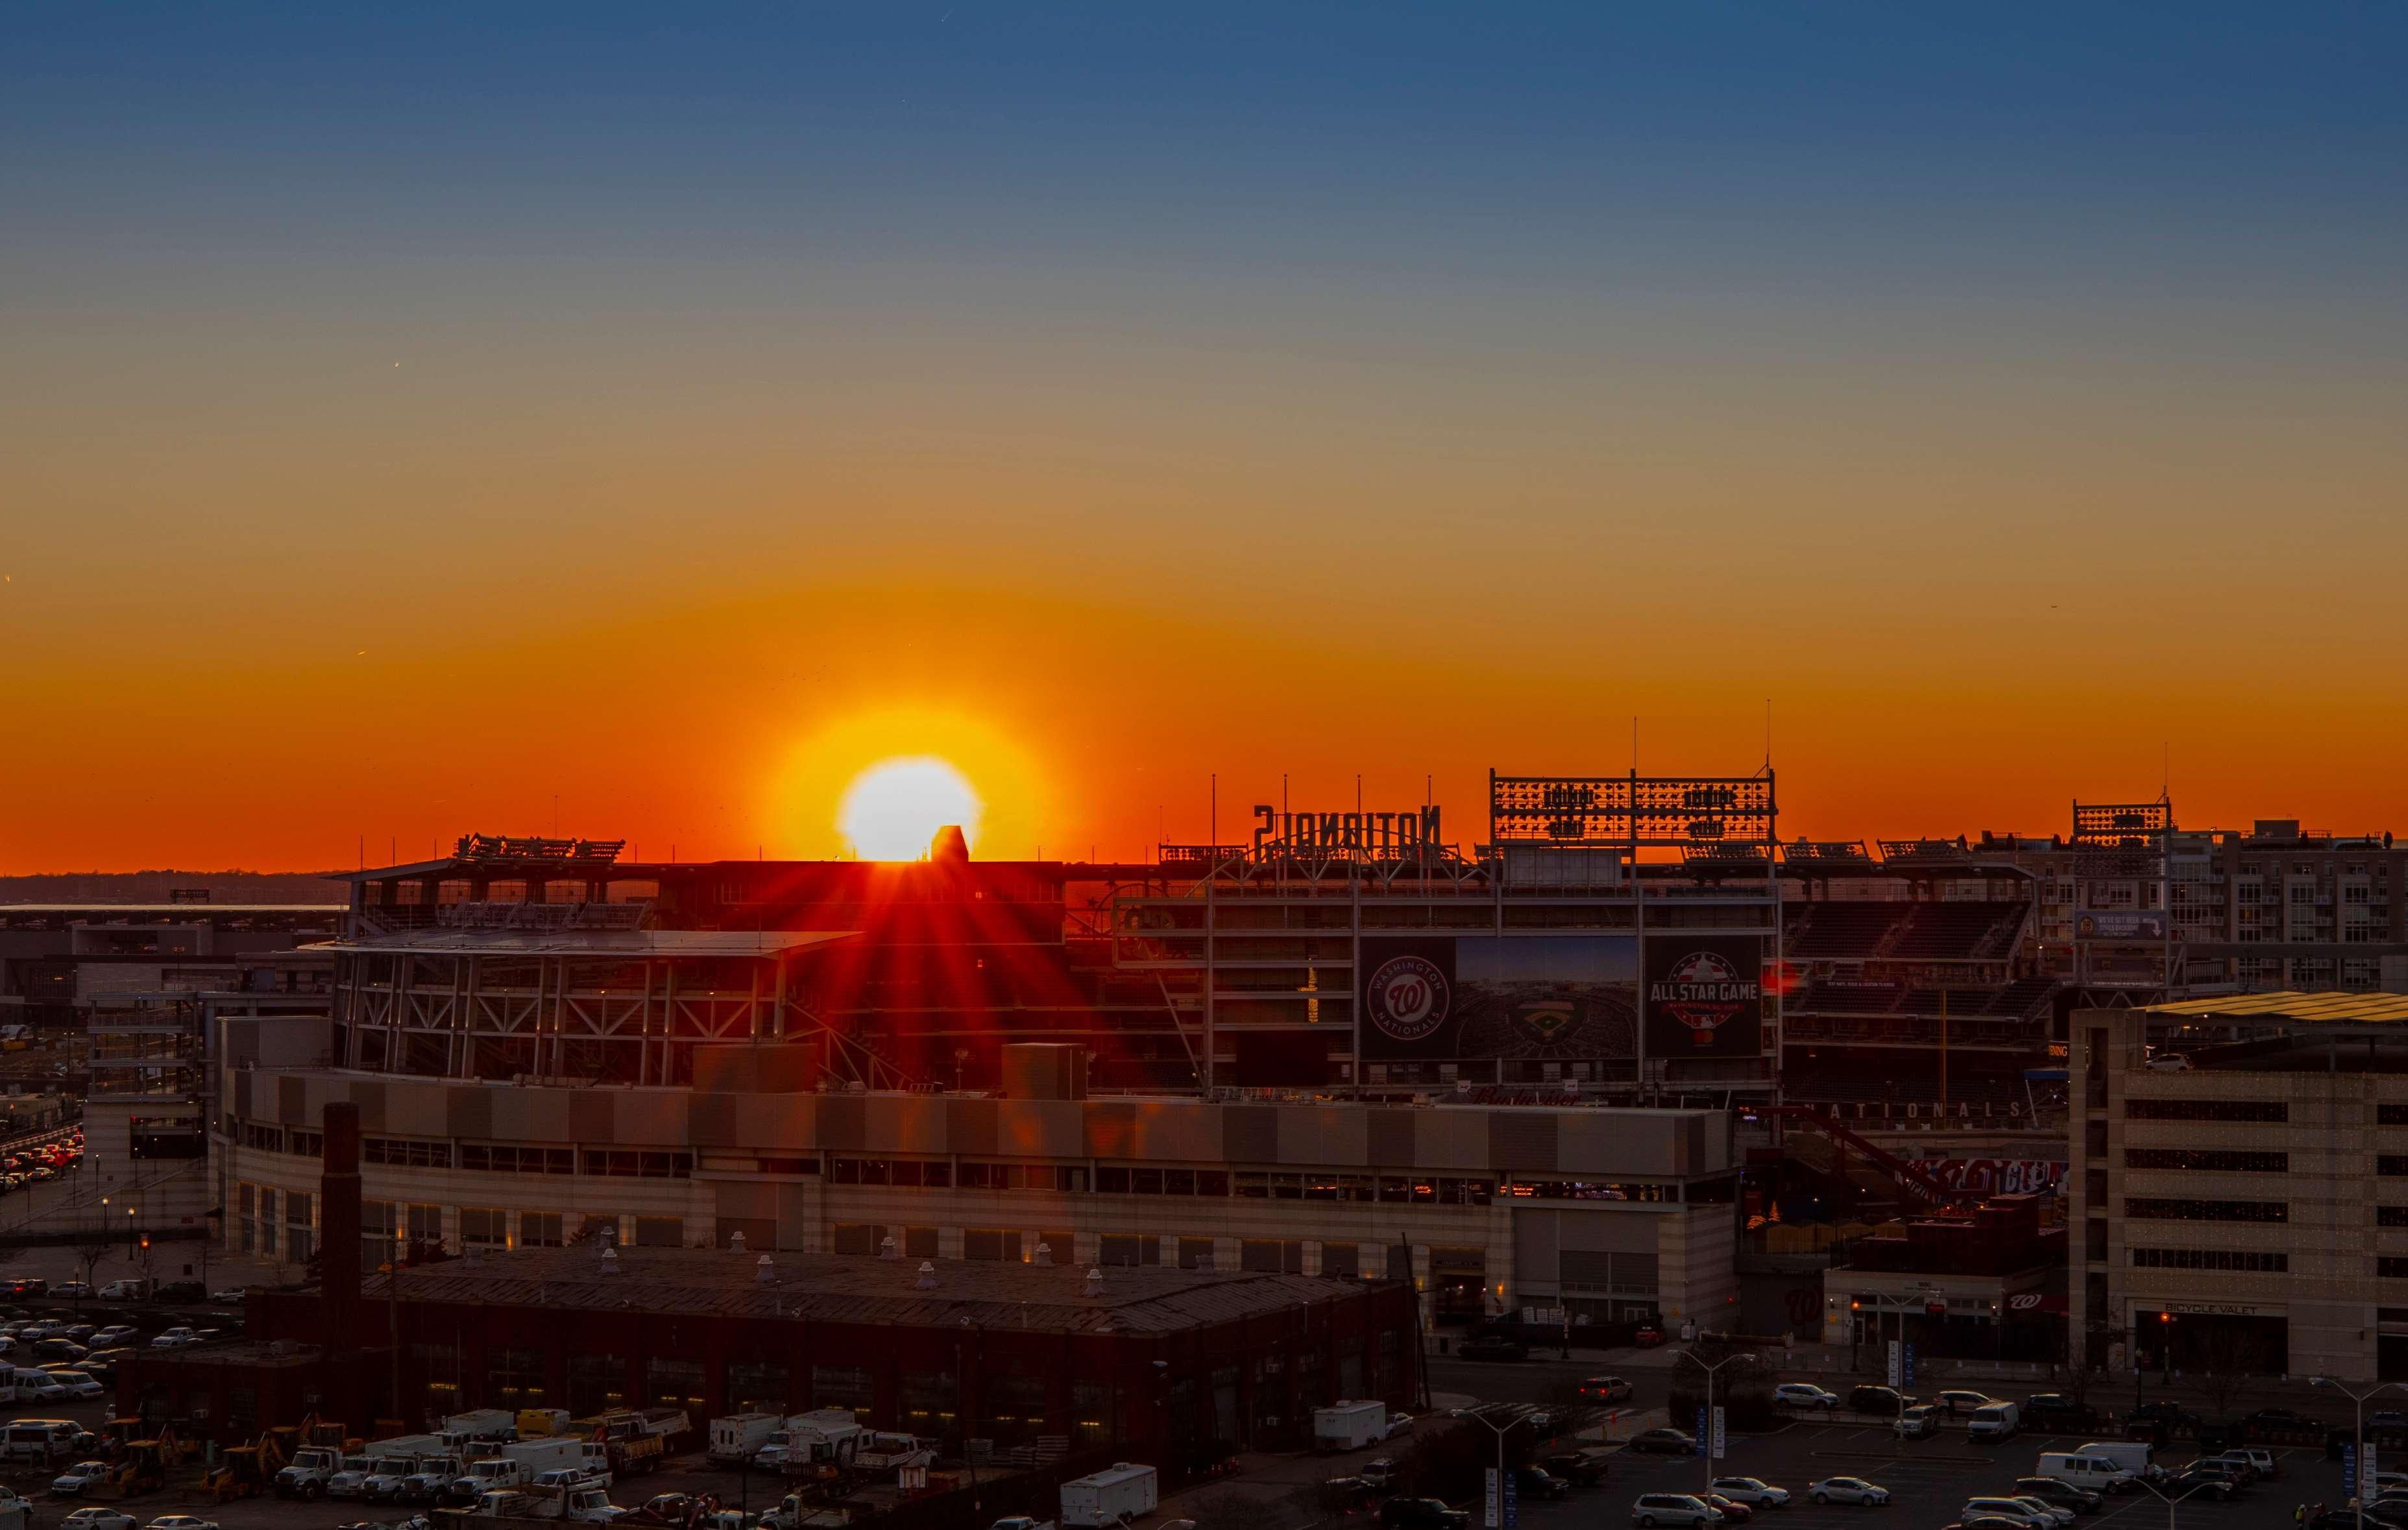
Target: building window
x=300, y=1237
x=2391, y=1267
x=920, y=1242
x=402, y=1152
x=484, y=1227
x=2249, y=1261
x=1271, y=1255
x=540, y=1230
x=1090, y=1413
x=2172, y=1209
x=674, y=1381
x=843, y=1386
x=619, y=1162
x=1340, y=1259
x=660, y=1232
x=2260, y=1110
x=1129, y=1249
x=990, y=1243
x=931, y=1400
x=860, y=1238
x=2391, y=1216
x=595, y=1382
x=515, y=1377
x=1195, y=1253
x=485, y=1157
x=756, y=1386
x=440, y=1363
x=2208, y=1159
x=2391, y=1165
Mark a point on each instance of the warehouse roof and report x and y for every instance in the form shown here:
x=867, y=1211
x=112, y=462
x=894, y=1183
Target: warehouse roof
x=852, y=1288
x=2353, y=1009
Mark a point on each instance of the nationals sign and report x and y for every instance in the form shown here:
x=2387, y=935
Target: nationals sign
x=1408, y=997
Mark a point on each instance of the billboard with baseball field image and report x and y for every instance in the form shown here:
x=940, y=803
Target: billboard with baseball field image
x=1543, y=997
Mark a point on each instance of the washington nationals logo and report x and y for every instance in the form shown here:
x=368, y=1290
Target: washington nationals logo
x=1408, y=997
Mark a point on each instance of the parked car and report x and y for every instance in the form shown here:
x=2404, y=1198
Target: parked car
x=1647, y=1337
x=1661, y=1442
x=2034, y=1515
x=2054, y=1410
x=1752, y=1490
x=1848, y=1490
x=2281, y=1421
x=2049, y=1490
x=1957, y=1402
x=2206, y=1481
x=182, y=1291
x=2168, y=1062
x=181, y=1521
x=1536, y=1482
x=173, y=1339
x=2057, y=1514
x=1421, y=1514
x=1804, y=1394
x=71, y=1482
x=1731, y=1509
x=115, y=1333
x=1672, y=1508
x=1919, y=1423
x=230, y=1296
x=78, y=1289
x=1493, y=1346
x=97, y=1518
x=1606, y=1389
x=1887, y=1402
x=77, y=1383
x=1581, y=1468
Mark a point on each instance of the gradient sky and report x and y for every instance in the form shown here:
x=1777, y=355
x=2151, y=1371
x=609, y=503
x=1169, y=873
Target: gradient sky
x=412, y=416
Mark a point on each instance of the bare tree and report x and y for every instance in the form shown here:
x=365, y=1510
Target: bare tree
x=2082, y=1371
x=92, y=1246
x=2227, y=1357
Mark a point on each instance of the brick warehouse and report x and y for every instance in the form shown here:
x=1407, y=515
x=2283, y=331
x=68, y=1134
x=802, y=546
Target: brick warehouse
x=1132, y=1358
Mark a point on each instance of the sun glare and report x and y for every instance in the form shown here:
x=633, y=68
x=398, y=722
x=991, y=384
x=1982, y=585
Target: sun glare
x=894, y=808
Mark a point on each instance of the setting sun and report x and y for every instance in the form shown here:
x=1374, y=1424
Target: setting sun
x=894, y=808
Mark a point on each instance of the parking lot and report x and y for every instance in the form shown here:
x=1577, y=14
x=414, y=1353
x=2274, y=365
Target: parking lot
x=1929, y=1480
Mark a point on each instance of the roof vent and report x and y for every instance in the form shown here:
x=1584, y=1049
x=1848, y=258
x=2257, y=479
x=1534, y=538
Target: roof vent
x=765, y=1269
x=610, y=1260
x=888, y=1248
x=927, y=1281
x=736, y=1240
x=1045, y=1253
x=474, y=1257
x=1095, y=1280
x=1204, y=1261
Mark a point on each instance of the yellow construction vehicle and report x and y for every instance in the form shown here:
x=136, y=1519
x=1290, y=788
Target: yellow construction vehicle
x=244, y=1471
x=143, y=1468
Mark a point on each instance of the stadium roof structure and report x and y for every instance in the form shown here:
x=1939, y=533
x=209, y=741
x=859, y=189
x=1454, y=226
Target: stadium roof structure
x=572, y=942
x=2291, y=1004
x=852, y=1288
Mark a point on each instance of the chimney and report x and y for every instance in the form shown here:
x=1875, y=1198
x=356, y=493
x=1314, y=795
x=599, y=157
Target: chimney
x=736, y=1240
x=927, y=1281
x=1095, y=1281
x=765, y=1270
x=1045, y=1253
x=338, y=1225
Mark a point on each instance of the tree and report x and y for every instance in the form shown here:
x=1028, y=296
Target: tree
x=2086, y=1357
x=2228, y=1355
x=92, y=1246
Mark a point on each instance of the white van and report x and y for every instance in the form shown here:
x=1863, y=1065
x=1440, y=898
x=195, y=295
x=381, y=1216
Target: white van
x=40, y=1386
x=2094, y=1472
x=2137, y=1456
x=1993, y=1421
x=38, y=1439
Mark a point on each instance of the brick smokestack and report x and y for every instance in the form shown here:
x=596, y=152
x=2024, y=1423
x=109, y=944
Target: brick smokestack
x=338, y=1226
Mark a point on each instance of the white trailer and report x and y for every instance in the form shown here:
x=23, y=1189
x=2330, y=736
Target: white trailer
x=1348, y=1425
x=551, y=1453
x=1112, y=1498
x=738, y=1436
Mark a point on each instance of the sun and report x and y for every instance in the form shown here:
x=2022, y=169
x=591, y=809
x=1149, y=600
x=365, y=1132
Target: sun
x=896, y=807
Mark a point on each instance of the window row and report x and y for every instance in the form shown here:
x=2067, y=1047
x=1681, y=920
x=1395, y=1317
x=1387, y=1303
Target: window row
x=518, y=1160
x=2258, y=1110
x=2177, y=1209
x=2251, y=1260
x=2208, y=1159
x=406, y=1153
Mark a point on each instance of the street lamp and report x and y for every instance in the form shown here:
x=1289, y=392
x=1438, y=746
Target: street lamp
x=1706, y=1446
x=2358, y=1457
x=1522, y=1414
x=2172, y=1499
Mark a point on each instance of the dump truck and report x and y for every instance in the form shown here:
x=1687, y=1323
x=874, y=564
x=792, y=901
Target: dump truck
x=312, y=1467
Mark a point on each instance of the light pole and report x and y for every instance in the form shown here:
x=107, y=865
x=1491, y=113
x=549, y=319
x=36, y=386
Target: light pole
x=1522, y=1414
x=2172, y=1499
x=1706, y=1445
x=2357, y=1455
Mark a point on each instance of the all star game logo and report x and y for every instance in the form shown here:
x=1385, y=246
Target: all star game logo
x=1704, y=991
x=1408, y=997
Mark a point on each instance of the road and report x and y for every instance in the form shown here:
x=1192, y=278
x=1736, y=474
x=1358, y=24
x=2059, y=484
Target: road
x=1537, y=1380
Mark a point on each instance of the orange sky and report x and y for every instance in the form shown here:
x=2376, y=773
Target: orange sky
x=409, y=418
